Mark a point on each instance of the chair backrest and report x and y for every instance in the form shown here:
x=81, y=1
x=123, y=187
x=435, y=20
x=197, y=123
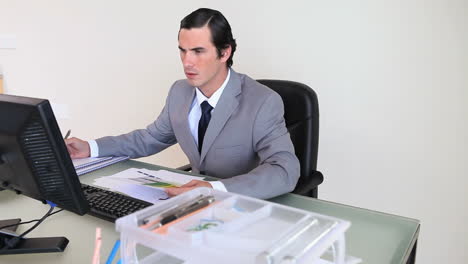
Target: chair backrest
x=301, y=113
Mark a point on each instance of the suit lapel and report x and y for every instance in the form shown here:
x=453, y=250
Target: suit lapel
x=186, y=138
x=226, y=105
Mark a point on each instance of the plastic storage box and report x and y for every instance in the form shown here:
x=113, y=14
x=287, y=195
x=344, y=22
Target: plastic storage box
x=230, y=228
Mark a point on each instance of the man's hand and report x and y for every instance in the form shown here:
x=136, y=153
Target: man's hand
x=78, y=148
x=187, y=187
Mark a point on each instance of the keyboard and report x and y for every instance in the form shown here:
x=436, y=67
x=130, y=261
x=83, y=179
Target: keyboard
x=109, y=205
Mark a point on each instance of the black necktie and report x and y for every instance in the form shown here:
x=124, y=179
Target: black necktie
x=203, y=123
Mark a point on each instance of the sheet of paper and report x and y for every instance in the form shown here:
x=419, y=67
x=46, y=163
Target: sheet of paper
x=144, y=184
x=161, y=178
x=170, y=176
x=79, y=163
x=106, y=161
x=108, y=183
x=144, y=193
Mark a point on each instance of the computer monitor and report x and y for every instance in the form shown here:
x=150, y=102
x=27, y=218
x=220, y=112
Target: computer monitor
x=34, y=160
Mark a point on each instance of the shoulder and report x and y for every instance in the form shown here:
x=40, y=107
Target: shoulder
x=255, y=91
x=251, y=88
x=180, y=88
x=181, y=84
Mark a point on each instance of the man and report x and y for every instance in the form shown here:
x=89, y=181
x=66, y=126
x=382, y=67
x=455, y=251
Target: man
x=229, y=126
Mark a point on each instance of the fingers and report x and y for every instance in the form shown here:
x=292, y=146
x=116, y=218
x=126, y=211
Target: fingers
x=187, y=187
x=192, y=183
x=77, y=148
x=177, y=190
x=69, y=143
x=197, y=183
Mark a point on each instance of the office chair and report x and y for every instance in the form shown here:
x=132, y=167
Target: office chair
x=301, y=114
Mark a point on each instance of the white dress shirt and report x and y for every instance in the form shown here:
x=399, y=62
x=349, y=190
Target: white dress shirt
x=193, y=119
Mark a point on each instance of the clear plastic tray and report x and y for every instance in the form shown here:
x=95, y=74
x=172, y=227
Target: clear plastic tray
x=232, y=229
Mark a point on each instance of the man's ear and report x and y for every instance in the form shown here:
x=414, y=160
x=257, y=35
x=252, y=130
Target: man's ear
x=226, y=53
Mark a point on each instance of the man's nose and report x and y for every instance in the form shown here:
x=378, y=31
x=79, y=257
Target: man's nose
x=187, y=60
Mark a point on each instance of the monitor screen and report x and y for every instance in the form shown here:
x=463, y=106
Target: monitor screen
x=34, y=160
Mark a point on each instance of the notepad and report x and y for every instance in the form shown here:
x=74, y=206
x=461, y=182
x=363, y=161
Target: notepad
x=86, y=162
x=86, y=165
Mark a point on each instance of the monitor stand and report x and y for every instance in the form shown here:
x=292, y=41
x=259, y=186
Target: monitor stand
x=29, y=245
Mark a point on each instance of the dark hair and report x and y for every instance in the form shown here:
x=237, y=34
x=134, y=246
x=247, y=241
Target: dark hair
x=221, y=34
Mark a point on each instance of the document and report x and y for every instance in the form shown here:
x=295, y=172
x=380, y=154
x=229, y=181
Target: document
x=144, y=184
x=85, y=162
x=86, y=165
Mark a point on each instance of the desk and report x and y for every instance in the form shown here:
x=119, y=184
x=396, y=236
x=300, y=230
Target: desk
x=375, y=237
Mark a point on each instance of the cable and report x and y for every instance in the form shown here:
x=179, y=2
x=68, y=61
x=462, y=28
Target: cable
x=28, y=222
x=12, y=242
x=56, y=212
x=36, y=224
x=21, y=223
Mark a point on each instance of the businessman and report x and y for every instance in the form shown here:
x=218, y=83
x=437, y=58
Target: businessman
x=228, y=125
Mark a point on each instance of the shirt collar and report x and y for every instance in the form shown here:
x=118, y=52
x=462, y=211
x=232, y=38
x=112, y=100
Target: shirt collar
x=213, y=100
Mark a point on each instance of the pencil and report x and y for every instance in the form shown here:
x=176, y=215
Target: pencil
x=97, y=246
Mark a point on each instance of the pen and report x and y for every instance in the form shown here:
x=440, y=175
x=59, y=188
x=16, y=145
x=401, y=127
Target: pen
x=150, y=220
x=113, y=252
x=182, y=210
x=68, y=134
x=204, y=201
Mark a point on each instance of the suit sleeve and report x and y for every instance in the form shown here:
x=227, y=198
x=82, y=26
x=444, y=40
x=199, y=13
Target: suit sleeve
x=278, y=170
x=141, y=142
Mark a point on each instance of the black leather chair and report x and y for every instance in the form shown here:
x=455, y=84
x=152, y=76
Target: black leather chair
x=301, y=114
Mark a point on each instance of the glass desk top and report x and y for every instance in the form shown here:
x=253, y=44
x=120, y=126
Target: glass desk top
x=373, y=236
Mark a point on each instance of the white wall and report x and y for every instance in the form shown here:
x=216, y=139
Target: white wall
x=392, y=80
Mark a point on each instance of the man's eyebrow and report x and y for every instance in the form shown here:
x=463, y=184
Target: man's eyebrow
x=198, y=49
x=193, y=49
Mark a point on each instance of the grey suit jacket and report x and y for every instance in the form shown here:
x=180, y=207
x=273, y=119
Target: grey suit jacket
x=246, y=143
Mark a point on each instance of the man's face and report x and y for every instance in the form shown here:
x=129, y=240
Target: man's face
x=202, y=66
